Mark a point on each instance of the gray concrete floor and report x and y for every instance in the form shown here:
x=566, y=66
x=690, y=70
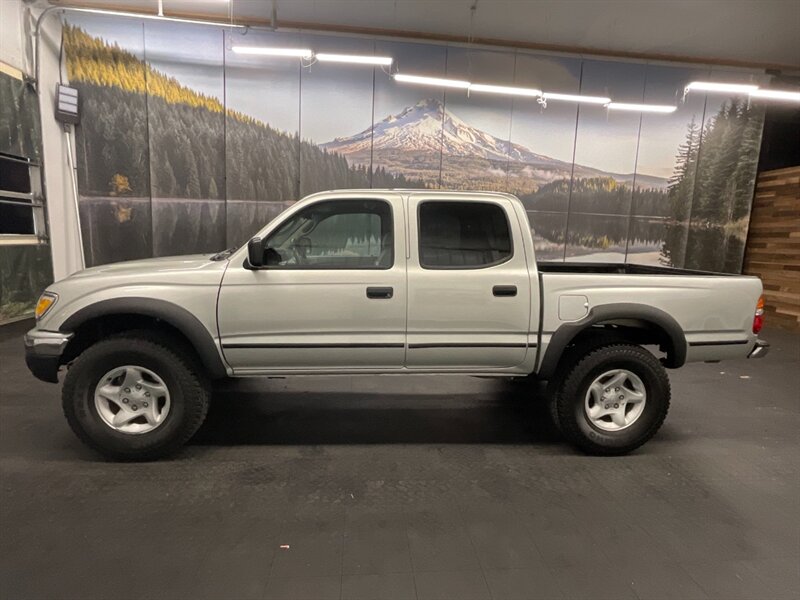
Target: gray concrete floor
x=419, y=487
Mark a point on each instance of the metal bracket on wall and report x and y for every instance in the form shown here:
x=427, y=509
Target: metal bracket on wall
x=68, y=129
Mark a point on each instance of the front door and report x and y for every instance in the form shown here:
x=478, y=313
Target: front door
x=469, y=301
x=332, y=295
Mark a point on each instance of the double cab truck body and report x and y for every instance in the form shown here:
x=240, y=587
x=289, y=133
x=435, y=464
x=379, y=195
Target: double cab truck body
x=383, y=282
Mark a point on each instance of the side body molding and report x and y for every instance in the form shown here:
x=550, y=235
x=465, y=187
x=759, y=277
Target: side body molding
x=178, y=317
x=609, y=312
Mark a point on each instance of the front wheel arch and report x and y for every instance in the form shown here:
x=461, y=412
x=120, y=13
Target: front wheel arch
x=124, y=314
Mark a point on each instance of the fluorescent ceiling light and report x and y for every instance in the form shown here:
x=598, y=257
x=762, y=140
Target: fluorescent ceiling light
x=655, y=108
x=351, y=58
x=135, y=15
x=576, y=98
x=270, y=51
x=450, y=83
x=712, y=86
x=776, y=95
x=502, y=89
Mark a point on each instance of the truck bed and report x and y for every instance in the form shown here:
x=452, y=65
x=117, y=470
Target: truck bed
x=714, y=310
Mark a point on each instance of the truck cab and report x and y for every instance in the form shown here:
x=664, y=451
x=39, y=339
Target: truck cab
x=344, y=282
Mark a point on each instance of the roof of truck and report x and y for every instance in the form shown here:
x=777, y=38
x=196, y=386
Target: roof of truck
x=426, y=192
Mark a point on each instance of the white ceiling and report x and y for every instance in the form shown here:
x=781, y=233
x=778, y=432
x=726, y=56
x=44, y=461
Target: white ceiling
x=746, y=31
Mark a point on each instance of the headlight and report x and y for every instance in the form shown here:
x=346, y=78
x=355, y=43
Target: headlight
x=45, y=303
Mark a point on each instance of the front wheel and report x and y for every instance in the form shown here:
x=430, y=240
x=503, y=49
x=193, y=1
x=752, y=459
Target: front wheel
x=613, y=400
x=132, y=397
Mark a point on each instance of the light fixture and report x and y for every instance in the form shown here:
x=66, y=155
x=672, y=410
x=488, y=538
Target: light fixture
x=384, y=61
x=136, y=15
x=654, y=108
x=67, y=104
x=729, y=88
x=449, y=83
x=776, y=95
x=502, y=89
x=576, y=98
x=161, y=7
x=271, y=51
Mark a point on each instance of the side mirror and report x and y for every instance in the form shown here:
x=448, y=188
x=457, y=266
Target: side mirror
x=255, y=252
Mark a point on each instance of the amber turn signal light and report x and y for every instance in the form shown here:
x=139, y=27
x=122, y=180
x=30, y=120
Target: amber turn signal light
x=45, y=303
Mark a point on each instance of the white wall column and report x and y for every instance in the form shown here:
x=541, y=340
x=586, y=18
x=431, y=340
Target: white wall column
x=63, y=220
x=17, y=20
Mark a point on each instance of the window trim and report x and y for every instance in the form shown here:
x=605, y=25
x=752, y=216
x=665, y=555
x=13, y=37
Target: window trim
x=458, y=267
x=328, y=268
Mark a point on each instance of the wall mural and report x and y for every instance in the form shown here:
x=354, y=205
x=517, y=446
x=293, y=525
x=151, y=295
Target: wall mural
x=187, y=146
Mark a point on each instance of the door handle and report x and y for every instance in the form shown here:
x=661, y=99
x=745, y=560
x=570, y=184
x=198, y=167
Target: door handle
x=504, y=290
x=380, y=292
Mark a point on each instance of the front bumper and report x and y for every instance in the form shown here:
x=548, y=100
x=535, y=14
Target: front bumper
x=760, y=350
x=43, y=350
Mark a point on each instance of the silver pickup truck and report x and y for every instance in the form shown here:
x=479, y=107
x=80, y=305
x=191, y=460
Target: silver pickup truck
x=383, y=282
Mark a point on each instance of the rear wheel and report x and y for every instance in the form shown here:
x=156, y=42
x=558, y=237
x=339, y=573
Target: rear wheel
x=613, y=400
x=133, y=397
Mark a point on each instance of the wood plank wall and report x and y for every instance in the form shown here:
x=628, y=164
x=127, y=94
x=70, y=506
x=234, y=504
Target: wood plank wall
x=773, y=244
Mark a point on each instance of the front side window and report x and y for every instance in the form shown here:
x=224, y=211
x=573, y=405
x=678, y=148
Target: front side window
x=462, y=235
x=335, y=234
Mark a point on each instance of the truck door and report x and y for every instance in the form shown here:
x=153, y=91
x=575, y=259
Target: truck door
x=469, y=289
x=332, y=296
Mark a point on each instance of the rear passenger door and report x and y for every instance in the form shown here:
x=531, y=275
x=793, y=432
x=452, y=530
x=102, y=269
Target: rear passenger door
x=469, y=290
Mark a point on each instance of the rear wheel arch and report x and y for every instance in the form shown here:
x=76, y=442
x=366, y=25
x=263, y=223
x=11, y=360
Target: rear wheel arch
x=615, y=323
x=122, y=314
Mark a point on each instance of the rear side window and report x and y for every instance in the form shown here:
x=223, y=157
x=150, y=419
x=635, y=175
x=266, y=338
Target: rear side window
x=462, y=235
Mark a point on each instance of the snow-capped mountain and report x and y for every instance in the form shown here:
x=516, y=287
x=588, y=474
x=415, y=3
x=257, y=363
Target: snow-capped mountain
x=427, y=126
x=401, y=142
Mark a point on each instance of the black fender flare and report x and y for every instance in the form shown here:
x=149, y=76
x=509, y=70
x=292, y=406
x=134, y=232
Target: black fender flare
x=180, y=318
x=606, y=312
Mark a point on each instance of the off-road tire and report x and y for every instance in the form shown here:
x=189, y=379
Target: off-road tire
x=571, y=356
x=189, y=390
x=570, y=393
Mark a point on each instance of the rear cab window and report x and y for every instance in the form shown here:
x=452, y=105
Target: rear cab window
x=463, y=235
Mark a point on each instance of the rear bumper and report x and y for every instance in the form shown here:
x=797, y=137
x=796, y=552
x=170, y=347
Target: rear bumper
x=760, y=350
x=43, y=350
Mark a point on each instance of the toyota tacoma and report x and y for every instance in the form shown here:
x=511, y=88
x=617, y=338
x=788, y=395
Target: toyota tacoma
x=383, y=282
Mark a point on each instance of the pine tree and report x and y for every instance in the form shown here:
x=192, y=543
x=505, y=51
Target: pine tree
x=684, y=158
x=192, y=180
x=745, y=176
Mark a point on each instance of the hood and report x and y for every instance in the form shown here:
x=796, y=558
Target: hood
x=192, y=281
x=161, y=265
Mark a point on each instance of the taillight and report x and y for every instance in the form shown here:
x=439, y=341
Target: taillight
x=758, y=319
